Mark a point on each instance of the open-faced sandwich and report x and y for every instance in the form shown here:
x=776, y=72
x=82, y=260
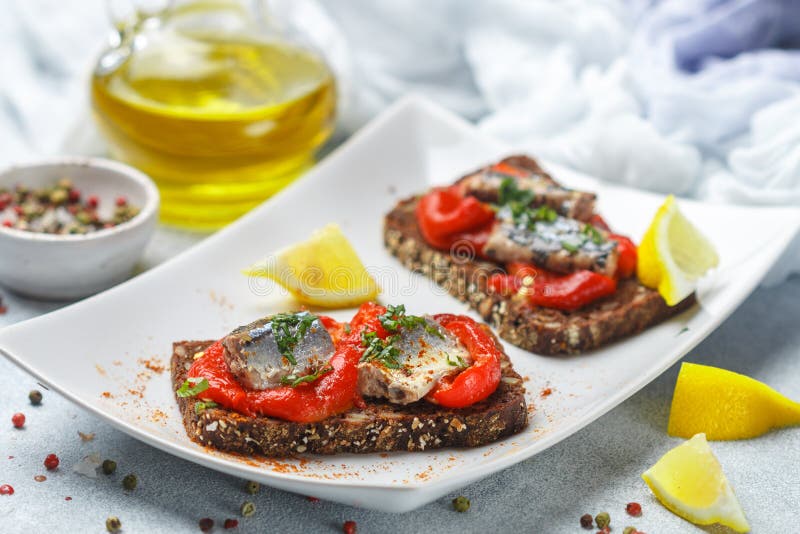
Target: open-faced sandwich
x=385, y=381
x=531, y=256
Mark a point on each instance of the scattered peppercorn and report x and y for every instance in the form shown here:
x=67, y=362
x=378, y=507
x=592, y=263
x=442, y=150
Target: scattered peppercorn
x=35, y=396
x=634, y=509
x=602, y=519
x=51, y=462
x=6, y=489
x=247, y=509
x=231, y=523
x=113, y=524
x=629, y=530
x=252, y=487
x=18, y=420
x=312, y=499
x=58, y=209
x=604, y=530
x=587, y=521
x=461, y=504
x=206, y=524
x=109, y=466
x=129, y=482
x=349, y=527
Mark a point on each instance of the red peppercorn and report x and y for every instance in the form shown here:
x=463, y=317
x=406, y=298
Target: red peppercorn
x=604, y=530
x=206, y=524
x=6, y=489
x=634, y=509
x=74, y=195
x=19, y=210
x=8, y=224
x=18, y=420
x=349, y=527
x=312, y=499
x=231, y=523
x=587, y=521
x=92, y=201
x=121, y=201
x=51, y=462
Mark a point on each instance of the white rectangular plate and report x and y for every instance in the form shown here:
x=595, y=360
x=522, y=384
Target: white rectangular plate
x=104, y=353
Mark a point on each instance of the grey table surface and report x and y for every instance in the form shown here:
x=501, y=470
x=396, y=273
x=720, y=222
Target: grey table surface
x=596, y=469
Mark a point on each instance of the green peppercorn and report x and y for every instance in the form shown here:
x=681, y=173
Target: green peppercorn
x=113, y=524
x=58, y=196
x=35, y=396
x=29, y=210
x=247, y=509
x=461, y=504
x=64, y=183
x=83, y=217
x=109, y=466
x=129, y=482
x=629, y=530
x=602, y=520
x=252, y=487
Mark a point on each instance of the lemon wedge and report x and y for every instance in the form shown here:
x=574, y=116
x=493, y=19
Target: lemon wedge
x=673, y=254
x=726, y=405
x=689, y=481
x=324, y=271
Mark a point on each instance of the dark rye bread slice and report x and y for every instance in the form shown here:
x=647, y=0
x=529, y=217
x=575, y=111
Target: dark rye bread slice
x=380, y=427
x=542, y=330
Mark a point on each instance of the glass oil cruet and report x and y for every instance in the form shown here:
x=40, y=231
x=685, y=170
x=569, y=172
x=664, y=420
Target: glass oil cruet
x=212, y=102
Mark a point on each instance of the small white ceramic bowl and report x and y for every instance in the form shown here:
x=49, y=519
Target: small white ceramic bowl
x=67, y=267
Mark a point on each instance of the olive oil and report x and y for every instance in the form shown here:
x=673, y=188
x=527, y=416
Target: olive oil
x=219, y=122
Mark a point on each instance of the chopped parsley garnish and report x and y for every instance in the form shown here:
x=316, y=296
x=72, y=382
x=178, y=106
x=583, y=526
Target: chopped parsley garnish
x=511, y=193
x=518, y=202
x=192, y=386
x=295, y=380
x=347, y=328
x=382, y=350
x=201, y=406
x=282, y=326
x=456, y=361
x=396, y=318
x=593, y=233
x=588, y=233
x=570, y=247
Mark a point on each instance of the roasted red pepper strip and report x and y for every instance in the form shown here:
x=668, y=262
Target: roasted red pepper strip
x=446, y=217
x=477, y=381
x=627, y=258
x=509, y=170
x=333, y=393
x=598, y=222
x=567, y=292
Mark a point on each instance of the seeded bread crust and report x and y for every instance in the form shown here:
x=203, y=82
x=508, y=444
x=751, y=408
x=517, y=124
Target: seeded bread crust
x=380, y=427
x=630, y=310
